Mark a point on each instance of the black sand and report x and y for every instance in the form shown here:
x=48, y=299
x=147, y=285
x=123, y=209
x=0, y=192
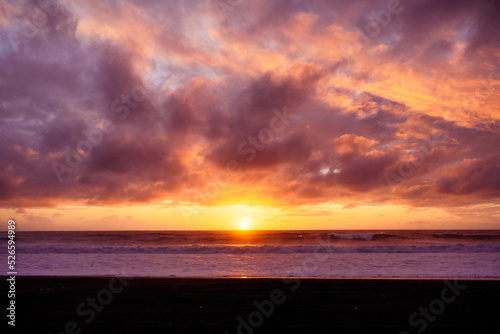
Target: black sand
x=180, y=305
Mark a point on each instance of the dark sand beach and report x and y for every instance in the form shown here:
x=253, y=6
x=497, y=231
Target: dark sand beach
x=213, y=305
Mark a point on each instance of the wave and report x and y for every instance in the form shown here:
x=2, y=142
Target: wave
x=363, y=236
x=467, y=236
x=268, y=249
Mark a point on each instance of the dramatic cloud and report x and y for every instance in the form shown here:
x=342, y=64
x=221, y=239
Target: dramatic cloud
x=249, y=102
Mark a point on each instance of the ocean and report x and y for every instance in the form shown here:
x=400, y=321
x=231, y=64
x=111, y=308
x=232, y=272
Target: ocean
x=341, y=254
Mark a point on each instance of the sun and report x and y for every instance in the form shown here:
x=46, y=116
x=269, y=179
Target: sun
x=245, y=224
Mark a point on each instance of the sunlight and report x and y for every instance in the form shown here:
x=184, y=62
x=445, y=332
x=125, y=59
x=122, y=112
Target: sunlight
x=245, y=224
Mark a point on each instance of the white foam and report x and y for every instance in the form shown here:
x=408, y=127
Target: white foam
x=359, y=236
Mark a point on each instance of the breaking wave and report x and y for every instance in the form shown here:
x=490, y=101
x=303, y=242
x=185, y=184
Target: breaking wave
x=362, y=236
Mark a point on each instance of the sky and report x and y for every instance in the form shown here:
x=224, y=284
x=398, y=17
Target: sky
x=236, y=114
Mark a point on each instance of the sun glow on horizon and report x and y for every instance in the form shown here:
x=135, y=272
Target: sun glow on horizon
x=245, y=223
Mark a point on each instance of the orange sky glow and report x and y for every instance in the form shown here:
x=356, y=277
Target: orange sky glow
x=254, y=115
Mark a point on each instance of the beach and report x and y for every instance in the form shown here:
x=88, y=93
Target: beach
x=254, y=305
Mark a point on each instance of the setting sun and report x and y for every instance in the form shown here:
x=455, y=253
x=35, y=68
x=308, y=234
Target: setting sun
x=245, y=224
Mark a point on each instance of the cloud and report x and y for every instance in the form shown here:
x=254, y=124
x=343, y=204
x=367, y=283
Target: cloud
x=480, y=175
x=136, y=103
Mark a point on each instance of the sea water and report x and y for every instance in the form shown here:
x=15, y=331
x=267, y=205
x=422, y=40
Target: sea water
x=408, y=253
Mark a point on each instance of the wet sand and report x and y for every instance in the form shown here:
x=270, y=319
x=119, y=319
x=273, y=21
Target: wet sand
x=254, y=305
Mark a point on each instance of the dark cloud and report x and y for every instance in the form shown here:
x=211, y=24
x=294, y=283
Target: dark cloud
x=480, y=176
x=84, y=107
